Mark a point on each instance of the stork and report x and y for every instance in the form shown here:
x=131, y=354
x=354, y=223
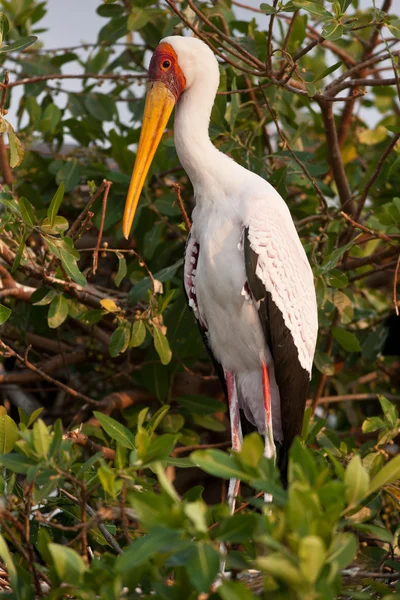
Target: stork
x=246, y=274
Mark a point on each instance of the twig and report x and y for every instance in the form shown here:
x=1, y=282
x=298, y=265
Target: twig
x=77, y=437
x=375, y=174
x=252, y=60
x=126, y=77
x=110, y=538
x=4, y=164
x=375, y=258
x=385, y=267
x=396, y=273
x=70, y=391
x=358, y=397
x=335, y=157
x=173, y=6
x=75, y=225
x=179, y=200
x=324, y=206
x=108, y=184
x=356, y=225
x=49, y=366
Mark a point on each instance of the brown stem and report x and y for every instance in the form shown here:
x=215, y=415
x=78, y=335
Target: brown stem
x=108, y=184
x=335, y=158
x=70, y=391
x=375, y=174
x=375, y=258
x=179, y=200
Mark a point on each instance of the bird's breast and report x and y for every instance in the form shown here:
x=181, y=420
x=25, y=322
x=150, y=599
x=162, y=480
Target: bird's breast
x=232, y=320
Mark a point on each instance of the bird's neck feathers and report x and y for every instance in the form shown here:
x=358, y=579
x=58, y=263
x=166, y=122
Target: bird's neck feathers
x=201, y=160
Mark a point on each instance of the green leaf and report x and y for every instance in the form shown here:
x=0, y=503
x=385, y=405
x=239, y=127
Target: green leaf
x=313, y=8
x=138, y=334
x=8, y=434
x=282, y=569
x=312, y=554
x=332, y=31
x=394, y=27
x=58, y=311
x=107, y=479
x=60, y=225
x=70, y=265
x=18, y=463
x=46, y=299
x=16, y=148
x=138, y=18
x=328, y=71
x=161, y=539
x=203, y=566
x=218, y=463
x=342, y=550
x=4, y=26
x=55, y=204
x=387, y=475
x=346, y=339
x=122, y=269
x=41, y=438
x=120, y=339
x=27, y=212
x=116, y=431
x=69, y=566
x=20, y=251
x=356, y=481
x=162, y=346
x=5, y=313
x=19, y=45
x=70, y=174
x=344, y=305
x=332, y=260
x=7, y=559
x=233, y=590
x=201, y=405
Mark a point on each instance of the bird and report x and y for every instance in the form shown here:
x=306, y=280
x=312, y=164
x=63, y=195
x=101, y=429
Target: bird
x=246, y=274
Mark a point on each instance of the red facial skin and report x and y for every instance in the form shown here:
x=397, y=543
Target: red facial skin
x=164, y=67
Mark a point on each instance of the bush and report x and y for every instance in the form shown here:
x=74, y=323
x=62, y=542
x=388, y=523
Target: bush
x=113, y=433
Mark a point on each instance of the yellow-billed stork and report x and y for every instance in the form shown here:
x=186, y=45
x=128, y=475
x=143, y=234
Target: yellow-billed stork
x=246, y=275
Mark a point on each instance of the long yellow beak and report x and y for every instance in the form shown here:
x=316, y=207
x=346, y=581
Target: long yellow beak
x=160, y=102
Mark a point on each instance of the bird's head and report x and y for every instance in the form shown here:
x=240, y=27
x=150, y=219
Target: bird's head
x=176, y=65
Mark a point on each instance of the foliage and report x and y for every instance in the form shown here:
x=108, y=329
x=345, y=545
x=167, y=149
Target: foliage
x=114, y=430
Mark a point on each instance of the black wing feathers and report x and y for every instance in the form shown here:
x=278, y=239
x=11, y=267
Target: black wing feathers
x=290, y=376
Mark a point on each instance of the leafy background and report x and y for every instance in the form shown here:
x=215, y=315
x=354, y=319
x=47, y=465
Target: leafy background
x=113, y=429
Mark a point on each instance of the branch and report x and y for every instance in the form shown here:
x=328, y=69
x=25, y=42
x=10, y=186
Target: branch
x=108, y=184
x=202, y=37
x=358, y=397
x=375, y=258
x=396, y=274
x=335, y=158
x=49, y=366
x=186, y=219
x=70, y=391
x=376, y=234
x=375, y=174
x=126, y=77
x=313, y=181
x=82, y=440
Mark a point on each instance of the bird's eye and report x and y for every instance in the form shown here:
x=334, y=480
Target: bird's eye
x=166, y=64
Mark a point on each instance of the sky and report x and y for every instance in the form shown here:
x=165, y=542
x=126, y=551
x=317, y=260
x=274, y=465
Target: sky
x=72, y=22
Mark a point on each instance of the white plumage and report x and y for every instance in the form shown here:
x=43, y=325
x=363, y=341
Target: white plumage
x=242, y=237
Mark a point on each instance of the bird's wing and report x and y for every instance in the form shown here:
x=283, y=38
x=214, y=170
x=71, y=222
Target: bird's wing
x=192, y=251
x=281, y=282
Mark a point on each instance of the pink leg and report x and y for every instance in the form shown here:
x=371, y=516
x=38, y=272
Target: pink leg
x=270, y=450
x=236, y=433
